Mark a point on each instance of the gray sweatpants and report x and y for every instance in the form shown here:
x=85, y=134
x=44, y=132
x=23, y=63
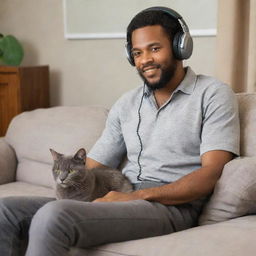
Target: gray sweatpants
x=56, y=226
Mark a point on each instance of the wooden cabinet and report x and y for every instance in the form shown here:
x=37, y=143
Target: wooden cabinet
x=22, y=89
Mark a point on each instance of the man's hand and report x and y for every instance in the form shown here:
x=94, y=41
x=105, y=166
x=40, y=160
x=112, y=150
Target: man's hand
x=114, y=196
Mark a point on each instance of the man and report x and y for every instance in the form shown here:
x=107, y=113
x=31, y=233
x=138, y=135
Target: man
x=177, y=131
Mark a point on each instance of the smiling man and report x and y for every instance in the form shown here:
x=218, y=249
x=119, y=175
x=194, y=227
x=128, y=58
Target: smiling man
x=154, y=59
x=177, y=131
x=155, y=62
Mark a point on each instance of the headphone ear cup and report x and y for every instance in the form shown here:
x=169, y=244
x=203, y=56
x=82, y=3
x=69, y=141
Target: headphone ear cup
x=129, y=54
x=187, y=49
x=182, y=46
x=176, y=45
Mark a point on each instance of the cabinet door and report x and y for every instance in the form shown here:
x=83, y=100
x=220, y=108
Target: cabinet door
x=9, y=98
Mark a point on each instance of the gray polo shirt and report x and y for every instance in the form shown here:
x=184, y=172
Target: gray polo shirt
x=201, y=115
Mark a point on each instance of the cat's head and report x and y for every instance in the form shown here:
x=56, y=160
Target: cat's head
x=68, y=170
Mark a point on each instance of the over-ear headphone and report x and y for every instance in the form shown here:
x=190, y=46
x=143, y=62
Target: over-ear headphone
x=182, y=44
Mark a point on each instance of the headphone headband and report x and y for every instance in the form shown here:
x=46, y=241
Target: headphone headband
x=167, y=10
x=182, y=42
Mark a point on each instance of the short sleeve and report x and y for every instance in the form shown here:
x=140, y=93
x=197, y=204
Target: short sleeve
x=110, y=148
x=220, y=129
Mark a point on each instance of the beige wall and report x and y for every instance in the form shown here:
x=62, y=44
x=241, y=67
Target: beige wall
x=83, y=72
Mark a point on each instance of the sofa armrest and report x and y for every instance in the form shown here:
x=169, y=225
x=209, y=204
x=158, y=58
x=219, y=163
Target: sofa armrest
x=8, y=162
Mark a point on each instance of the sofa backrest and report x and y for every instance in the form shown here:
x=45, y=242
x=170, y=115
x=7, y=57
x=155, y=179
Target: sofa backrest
x=64, y=129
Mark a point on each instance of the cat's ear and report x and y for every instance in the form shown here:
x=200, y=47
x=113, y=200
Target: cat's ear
x=56, y=156
x=80, y=155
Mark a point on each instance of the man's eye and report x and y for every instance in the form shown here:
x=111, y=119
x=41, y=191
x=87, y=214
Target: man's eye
x=155, y=49
x=135, y=54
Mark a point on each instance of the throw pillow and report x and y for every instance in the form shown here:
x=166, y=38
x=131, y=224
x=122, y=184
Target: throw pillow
x=234, y=194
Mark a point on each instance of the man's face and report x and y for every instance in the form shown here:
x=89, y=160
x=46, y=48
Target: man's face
x=153, y=56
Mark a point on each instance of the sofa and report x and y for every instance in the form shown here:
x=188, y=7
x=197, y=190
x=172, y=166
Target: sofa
x=227, y=225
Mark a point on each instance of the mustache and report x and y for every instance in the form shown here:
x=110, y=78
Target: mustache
x=150, y=65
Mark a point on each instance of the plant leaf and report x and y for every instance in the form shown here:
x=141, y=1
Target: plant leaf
x=11, y=51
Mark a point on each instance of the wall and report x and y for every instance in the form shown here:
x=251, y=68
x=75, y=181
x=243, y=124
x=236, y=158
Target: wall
x=83, y=72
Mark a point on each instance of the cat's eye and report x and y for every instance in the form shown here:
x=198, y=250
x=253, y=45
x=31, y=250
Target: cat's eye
x=71, y=171
x=57, y=171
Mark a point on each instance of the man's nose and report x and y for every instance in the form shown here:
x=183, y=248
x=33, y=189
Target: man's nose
x=146, y=58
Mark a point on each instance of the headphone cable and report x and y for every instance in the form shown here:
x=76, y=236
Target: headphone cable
x=137, y=131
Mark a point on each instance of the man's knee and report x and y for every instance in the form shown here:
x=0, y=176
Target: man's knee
x=50, y=217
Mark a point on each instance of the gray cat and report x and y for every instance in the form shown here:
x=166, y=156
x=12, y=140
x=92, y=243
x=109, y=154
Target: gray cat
x=74, y=181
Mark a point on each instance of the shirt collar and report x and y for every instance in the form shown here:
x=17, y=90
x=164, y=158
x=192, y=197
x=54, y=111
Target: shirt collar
x=188, y=84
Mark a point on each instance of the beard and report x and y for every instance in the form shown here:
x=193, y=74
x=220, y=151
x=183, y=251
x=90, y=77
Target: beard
x=166, y=75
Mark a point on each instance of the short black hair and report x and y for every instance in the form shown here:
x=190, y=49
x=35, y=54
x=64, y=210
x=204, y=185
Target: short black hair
x=150, y=18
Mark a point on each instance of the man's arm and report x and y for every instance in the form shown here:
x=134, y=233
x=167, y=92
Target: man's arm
x=91, y=163
x=193, y=186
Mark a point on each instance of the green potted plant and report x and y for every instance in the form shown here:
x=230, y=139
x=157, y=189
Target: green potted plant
x=11, y=51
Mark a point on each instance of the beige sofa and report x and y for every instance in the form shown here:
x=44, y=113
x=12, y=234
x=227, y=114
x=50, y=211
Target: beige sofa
x=227, y=224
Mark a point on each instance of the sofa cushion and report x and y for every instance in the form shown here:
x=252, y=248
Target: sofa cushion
x=234, y=194
x=35, y=172
x=229, y=238
x=8, y=162
x=64, y=129
x=19, y=188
